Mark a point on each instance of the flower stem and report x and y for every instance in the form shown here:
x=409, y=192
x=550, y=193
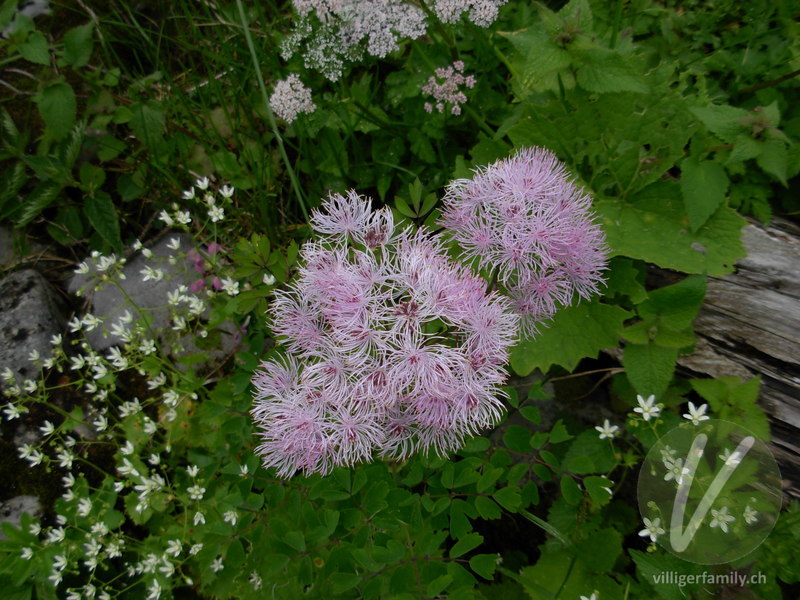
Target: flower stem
x=270, y=116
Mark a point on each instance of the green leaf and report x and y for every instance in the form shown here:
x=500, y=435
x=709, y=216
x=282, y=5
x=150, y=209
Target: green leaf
x=57, y=106
x=570, y=490
x=723, y=120
x=296, y=540
x=487, y=508
x=35, y=49
x=605, y=71
x=341, y=582
x=537, y=61
x=40, y=198
x=626, y=279
x=676, y=304
x=597, y=488
x=649, y=367
x=600, y=550
x=774, y=159
x=103, y=216
x=147, y=122
x=654, y=229
x=703, y=186
x=589, y=454
x=484, y=565
x=531, y=413
x=508, y=498
x=78, y=45
x=559, y=433
x=576, y=332
x=465, y=544
x=517, y=438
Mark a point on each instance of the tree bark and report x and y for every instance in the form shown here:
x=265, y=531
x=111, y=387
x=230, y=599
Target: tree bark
x=750, y=325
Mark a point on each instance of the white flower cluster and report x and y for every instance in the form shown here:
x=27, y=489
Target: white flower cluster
x=334, y=33
x=480, y=12
x=291, y=98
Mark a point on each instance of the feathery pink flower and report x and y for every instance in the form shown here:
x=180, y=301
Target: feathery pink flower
x=524, y=218
x=364, y=376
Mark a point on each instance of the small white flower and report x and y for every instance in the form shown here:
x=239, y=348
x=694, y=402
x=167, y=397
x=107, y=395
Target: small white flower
x=164, y=216
x=183, y=217
x=217, y=565
x=226, y=191
x=652, y=529
x=116, y=359
x=230, y=286
x=750, y=516
x=255, y=580
x=174, y=547
x=157, y=381
x=30, y=386
x=27, y=553
x=69, y=480
x=216, y=213
x=35, y=528
x=202, y=183
x=13, y=411
x=56, y=535
x=647, y=408
x=60, y=562
x=231, y=517
x=594, y=596
x=137, y=245
x=127, y=448
x=268, y=279
x=65, y=458
x=607, y=430
x=174, y=243
x=33, y=355
x=100, y=423
x=192, y=470
x=243, y=470
x=195, y=549
x=84, y=507
x=82, y=268
x=697, y=413
x=151, y=274
x=55, y=340
x=154, y=591
x=147, y=347
x=100, y=371
x=196, y=492
x=74, y=324
x=188, y=194
x=199, y=519
x=720, y=518
x=90, y=322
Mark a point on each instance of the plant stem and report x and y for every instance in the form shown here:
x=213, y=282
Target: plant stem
x=273, y=125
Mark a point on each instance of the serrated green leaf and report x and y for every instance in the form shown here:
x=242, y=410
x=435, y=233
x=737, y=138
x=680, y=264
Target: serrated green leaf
x=78, y=45
x=100, y=211
x=35, y=49
x=703, y=186
x=537, y=61
x=147, y=122
x=654, y=229
x=723, y=120
x=649, y=368
x=676, y=304
x=744, y=148
x=576, y=332
x=604, y=71
x=624, y=278
x=465, y=544
x=40, y=198
x=57, y=106
x=600, y=550
x=774, y=159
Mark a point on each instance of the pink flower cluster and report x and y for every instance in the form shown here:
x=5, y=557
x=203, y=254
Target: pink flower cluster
x=392, y=348
x=525, y=219
x=445, y=88
x=201, y=265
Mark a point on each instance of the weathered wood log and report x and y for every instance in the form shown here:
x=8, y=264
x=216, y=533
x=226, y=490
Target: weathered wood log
x=750, y=325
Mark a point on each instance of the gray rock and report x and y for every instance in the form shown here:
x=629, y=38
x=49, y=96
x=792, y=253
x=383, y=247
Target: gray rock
x=11, y=510
x=30, y=314
x=110, y=301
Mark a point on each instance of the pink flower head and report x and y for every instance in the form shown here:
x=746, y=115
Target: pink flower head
x=525, y=218
x=365, y=374
x=445, y=88
x=198, y=262
x=213, y=249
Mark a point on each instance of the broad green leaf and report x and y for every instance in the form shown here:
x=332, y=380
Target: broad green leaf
x=604, y=71
x=676, y=304
x=465, y=544
x=537, y=61
x=654, y=229
x=487, y=508
x=484, y=565
x=147, y=122
x=517, y=438
x=40, y=198
x=624, y=278
x=57, y=106
x=723, y=120
x=576, y=332
x=103, y=216
x=570, y=491
x=508, y=498
x=650, y=565
x=35, y=49
x=649, y=367
x=589, y=454
x=774, y=159
x=598, y=489
x=78, y=45
x=600, y=550
x=703, y=186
